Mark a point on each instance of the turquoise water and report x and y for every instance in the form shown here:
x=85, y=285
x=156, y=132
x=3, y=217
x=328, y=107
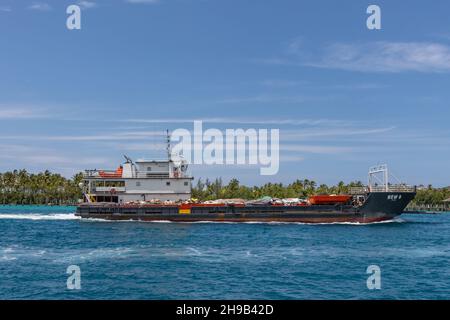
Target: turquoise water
x=145, y=260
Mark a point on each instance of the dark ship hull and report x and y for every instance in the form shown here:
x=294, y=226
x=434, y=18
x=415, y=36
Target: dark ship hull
x=378, y=206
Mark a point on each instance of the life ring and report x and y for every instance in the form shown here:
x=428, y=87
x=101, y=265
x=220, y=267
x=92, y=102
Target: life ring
x=112, y=190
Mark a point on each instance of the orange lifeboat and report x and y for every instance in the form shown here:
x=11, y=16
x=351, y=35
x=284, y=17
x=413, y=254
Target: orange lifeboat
x=112, y=174
x=327, y=199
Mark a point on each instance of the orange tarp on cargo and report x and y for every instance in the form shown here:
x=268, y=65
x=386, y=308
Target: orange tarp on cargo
x=326, y=199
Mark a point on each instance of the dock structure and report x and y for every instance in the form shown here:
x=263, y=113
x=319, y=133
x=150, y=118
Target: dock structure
x=429, y=208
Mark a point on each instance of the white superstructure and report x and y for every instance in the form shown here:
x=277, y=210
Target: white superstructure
x=142, y=180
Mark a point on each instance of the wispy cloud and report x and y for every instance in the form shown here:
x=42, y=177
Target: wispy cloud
x=387, y=57
x=246, y=121
x=333, y=133
x=142, y=1
x=279, y=83
x=132, y=146
x=263, y=99
x=323, y=130
x=20, y=113
x=290, y=158
x=296, y=45
x=87, y=4
x=40, y=6
x=271, y=98
x=317, y=149
x=358, y=86
x=40, y=156
x=128, y=136
x=380, y=56
x=5, y=9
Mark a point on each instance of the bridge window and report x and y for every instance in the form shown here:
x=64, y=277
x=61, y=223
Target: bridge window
x=112, y=184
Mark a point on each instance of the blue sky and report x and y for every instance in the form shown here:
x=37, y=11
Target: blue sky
x=343, y=97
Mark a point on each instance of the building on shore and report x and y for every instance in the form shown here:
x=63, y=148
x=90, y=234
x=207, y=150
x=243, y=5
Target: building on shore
x=447, y=204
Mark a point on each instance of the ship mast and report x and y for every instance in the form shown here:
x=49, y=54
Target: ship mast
x=374, y=172
x=168, y=144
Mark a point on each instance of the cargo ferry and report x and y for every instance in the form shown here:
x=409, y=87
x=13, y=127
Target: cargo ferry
x=149, y=190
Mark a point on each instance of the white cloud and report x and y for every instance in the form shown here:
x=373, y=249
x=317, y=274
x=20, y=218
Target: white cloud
x=317, y=149
x=380, y=56
x=21, y=154
x=279, y=83
x=87, y=4
x=5, y=9
x=142, y=1
x=40, y=6
x=387, y=57
x=289, y=158
x=244, y=121
x=264, y=99
x=273, y=98
x=295, y=45
x=332, y=133
x=20, y=113
x=138, y=135
x=131, y=146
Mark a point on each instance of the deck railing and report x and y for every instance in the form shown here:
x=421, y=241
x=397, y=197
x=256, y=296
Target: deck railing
x=394, y=188
x=391, y=188
x=152, y=174
x=110, y=189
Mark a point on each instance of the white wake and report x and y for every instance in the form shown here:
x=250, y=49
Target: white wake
x=36, y=216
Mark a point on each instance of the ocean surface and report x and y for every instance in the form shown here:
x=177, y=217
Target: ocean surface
x=163, y=260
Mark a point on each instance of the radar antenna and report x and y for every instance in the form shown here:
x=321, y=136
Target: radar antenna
x=128, y=159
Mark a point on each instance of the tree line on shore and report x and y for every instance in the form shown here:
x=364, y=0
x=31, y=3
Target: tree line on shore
x=431, y=196
x=22, y=187
x=211, y=190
